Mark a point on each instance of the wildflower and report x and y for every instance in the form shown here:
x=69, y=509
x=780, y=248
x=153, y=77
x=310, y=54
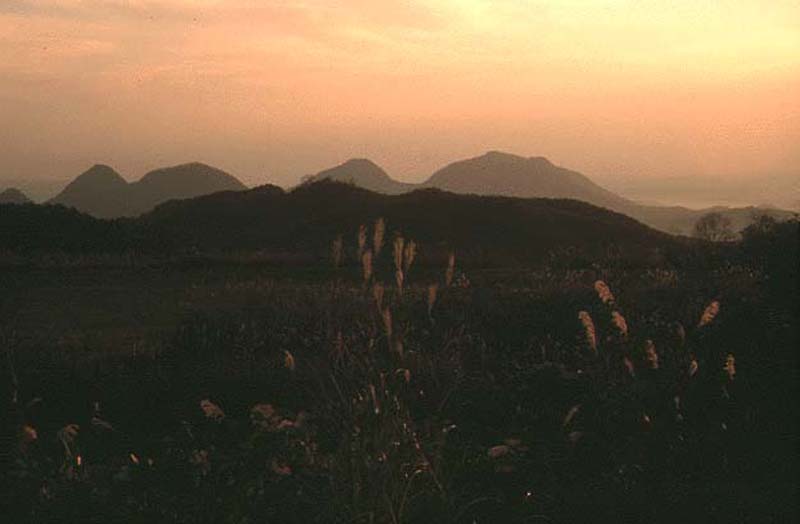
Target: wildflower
x=589, y=330
x=619, y=321
x=709, y=313
x=604, y=292
x=211, y=410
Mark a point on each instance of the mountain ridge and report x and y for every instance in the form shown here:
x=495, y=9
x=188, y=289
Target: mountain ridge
x=490, y=231
x=364, y=173
x=12, y=195
x=103, y=193
x=506, y=174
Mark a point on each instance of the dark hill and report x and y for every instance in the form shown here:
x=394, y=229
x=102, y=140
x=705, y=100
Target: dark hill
x=13, y=196
x=490, y=231
x=103, y=193
x=363, y=173
x=55, y=228
x=307, y=219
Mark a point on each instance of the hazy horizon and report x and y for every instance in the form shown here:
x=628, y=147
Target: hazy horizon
x=625, y=92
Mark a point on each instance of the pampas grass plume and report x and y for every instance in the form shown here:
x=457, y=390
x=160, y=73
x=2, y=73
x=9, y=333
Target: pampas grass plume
x=377, y=237
x=589, y=330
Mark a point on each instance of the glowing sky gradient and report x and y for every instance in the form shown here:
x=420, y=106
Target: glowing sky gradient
x=272, y=90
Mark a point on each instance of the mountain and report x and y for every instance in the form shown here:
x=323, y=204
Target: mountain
x=103, y=193
x=100, y=192
x=490, y=230
x=362, y=173
x=484, y=230
x=505, y=174
x=13, y=196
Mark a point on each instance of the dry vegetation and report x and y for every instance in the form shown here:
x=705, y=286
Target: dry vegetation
x=388, y=392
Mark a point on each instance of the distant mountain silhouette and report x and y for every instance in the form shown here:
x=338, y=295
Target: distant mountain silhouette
x=490, y=231
x=100, y=192
x=365, y=174
x=103, y=193
x=505, y=174
x=497, y=173
x=13, y=196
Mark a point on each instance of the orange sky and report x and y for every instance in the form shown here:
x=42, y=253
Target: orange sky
x=271, y=90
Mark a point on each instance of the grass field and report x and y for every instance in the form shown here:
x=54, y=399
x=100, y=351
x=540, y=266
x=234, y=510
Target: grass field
x=245, y=392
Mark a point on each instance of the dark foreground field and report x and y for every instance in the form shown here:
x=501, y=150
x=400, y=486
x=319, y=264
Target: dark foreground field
x=250, y=393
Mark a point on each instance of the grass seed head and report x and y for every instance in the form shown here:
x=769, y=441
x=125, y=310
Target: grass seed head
x=288, y=360
x=451, y=269
x=604, y=292
x=650, y=354
x=693, y=367
x=362, y=239
x=399, y=243
x=619, y=321
x=378, y=234
x=409, y=254
x=211, y=410
x=680, y=333
x=366, y=265
x=589, y=330
x=399, y=278
x=433, y=290
x=709, y=313
x=377, y=294
x=387, y=322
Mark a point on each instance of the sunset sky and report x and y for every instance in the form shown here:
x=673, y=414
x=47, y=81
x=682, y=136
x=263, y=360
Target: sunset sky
x=272, y=90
